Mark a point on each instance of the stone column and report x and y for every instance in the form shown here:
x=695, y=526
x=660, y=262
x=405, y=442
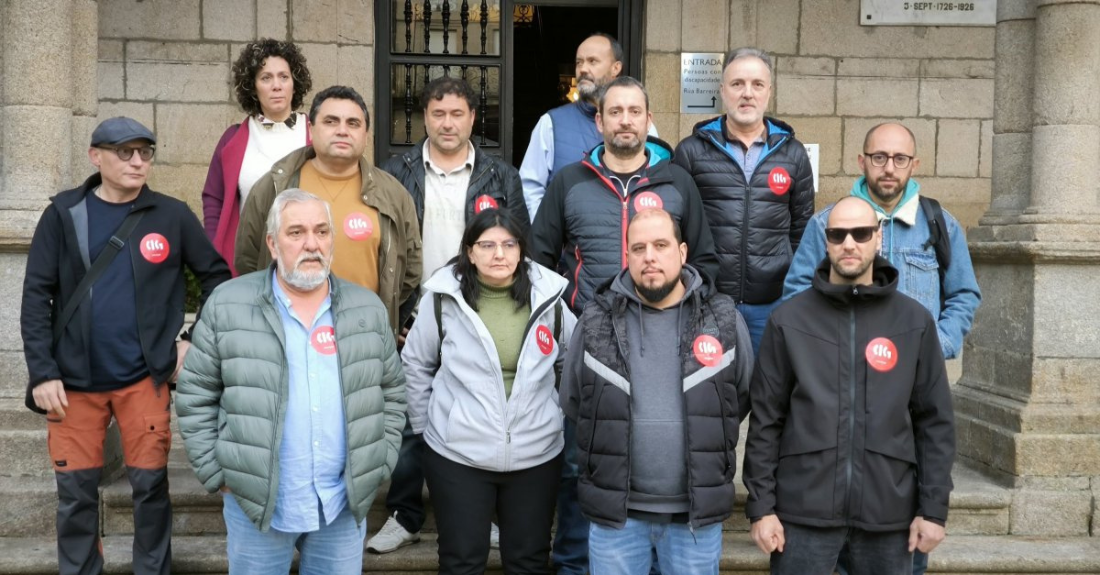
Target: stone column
x=1028, y=403
x=47, y=112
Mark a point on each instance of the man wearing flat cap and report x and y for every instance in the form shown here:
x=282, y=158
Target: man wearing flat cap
x=103, y=302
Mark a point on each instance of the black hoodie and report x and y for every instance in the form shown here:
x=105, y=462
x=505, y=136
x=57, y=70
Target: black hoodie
x=852, y=423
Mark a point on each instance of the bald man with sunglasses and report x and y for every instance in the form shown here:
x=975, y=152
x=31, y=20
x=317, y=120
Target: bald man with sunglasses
x=852, y=435
x=947, y=288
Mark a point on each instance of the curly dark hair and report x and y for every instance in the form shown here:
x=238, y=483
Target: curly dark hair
x=252, y=59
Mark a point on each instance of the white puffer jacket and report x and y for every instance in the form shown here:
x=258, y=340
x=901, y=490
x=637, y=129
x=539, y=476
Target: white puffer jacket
x=458, y=402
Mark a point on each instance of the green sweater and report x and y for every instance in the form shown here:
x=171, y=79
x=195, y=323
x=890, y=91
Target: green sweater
x=505, y=323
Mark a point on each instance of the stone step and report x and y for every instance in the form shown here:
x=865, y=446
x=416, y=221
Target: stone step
x=194, y=511
x=968, y=554
x=24, y=453
x=978, y=505
x=29, y=508
x=15, y=415
x=13, y=374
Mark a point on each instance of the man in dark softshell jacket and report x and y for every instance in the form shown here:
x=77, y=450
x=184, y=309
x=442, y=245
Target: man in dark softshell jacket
x=852, y=433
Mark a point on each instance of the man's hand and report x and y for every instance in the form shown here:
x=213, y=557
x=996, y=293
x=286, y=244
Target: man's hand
x=182, y=347
x=224, y=489
x=50, y=396
x=767, y=533
x=401, y=338
x=925, y=535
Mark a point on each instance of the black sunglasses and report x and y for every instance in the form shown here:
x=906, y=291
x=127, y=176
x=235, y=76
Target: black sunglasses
x=862, y=234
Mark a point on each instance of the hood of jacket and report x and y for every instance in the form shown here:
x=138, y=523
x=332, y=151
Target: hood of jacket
x=884, y=281
x=545, y=284
x=906, y=208
x=656, y=151
x=778, y=130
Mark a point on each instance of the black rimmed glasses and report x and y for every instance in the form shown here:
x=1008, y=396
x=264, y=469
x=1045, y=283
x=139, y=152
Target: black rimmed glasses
x=901, y=161
x=861, y=234
x=124, y=154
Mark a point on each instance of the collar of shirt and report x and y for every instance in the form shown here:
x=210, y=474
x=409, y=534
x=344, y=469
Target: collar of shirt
x=285, y=305
x=469, y=165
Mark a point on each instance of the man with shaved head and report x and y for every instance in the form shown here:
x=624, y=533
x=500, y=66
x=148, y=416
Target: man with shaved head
x=888, y=162
x=938, y=274
x=852, y=434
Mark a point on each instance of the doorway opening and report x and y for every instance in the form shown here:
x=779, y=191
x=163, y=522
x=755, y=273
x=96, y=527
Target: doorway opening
x=544, y=62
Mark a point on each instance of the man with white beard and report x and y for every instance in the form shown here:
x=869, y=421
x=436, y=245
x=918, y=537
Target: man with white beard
x=291, y=371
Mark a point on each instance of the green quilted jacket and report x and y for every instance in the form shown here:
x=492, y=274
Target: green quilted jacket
x=232, y=393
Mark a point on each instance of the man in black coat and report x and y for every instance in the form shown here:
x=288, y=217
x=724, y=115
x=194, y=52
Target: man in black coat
x=852, y=433
x=757, y=185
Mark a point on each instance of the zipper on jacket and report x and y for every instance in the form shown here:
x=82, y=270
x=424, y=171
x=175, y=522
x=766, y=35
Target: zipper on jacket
x=748, y=201
x=852, y=401
x=576, y=277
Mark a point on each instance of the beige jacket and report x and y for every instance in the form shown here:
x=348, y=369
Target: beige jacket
x=399, y=262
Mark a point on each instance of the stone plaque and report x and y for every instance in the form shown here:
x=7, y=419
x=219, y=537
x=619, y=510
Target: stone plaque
x=700, y=78
x=935, y=13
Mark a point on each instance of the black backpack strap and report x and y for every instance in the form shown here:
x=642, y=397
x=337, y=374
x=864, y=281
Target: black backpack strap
x=557, y=320
x=439, y=322
x=104, y=259
x=938, y=237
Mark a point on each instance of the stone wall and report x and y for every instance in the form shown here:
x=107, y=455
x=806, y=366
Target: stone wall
x=835, y=79
x=168, y=64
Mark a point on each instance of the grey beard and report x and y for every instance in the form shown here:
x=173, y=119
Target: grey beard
x=304, y=281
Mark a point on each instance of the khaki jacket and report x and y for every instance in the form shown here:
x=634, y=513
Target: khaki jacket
x=399, y=263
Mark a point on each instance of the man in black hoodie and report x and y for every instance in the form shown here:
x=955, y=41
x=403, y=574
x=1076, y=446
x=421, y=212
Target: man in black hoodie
x=656, y=379
x=852, y=434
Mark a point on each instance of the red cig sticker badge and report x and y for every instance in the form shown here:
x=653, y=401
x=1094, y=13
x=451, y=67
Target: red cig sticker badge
x=647, y=201
x=484, y=202
x=779, y=181
x=882, y=354
x=357, y=226
x=154, y=248
x=708, y=350
x=323, y=340
x=544, y=339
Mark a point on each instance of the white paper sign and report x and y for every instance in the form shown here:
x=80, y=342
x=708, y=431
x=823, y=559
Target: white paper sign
x=814, y=152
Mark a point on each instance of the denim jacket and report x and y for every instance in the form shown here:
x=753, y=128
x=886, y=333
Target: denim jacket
x=905, y=244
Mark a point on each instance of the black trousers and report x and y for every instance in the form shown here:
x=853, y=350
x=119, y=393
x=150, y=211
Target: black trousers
x=465, y=500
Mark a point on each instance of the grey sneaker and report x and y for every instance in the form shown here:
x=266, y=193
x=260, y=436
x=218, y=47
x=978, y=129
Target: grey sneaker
x=494, y=536
x=391, y=537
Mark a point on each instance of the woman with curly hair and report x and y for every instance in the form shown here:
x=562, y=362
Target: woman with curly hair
x=270, y=80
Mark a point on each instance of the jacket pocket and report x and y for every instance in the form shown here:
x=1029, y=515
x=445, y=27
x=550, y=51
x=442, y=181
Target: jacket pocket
x=805, y=483
x=922, y=278
x=889, y=485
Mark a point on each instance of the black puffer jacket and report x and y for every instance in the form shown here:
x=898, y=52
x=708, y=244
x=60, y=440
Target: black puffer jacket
x=715, y=366
x=757, y=224
x=852, y=423
x=493, y=184
x=583, y=218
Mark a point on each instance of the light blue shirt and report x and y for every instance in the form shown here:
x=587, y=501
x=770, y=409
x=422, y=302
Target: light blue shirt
x=313, y=451
x=747, y=158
